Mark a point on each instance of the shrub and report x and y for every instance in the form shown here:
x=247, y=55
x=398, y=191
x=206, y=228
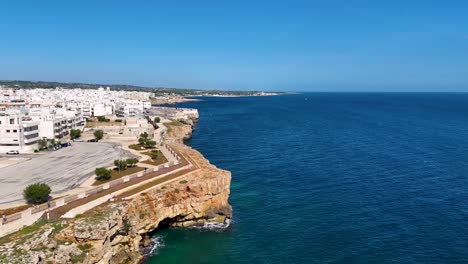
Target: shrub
x=150, y=143
x=183, y=182
x=36, y=151
x=131, y=162
x=75, y=133
x=37, y=193
x=102, y=174
x=157, y=120
x=98, y=134
x=103, y=119
x=120, y=164
x=144, y=135
x=154, y=154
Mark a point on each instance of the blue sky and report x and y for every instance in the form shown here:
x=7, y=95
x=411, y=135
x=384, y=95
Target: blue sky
x=264, y=45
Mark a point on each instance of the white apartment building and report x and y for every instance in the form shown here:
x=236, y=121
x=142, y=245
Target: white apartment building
x=56, y=123
x=18, y=133
x=129, y=108
x=57, y=111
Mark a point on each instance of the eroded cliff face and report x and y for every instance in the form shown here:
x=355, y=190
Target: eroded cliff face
x=117, y=231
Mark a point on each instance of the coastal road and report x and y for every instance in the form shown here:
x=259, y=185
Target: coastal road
x=61, y=170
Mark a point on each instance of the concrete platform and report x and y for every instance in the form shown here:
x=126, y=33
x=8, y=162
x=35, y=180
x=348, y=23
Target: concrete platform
x=62, y=169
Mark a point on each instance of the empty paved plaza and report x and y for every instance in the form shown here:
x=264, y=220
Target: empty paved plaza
x=62, y=169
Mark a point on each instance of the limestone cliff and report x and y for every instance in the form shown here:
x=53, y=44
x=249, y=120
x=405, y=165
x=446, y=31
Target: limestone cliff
x=117, y=231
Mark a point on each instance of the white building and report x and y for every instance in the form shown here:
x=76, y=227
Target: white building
x=56, y=123
x=18, y=133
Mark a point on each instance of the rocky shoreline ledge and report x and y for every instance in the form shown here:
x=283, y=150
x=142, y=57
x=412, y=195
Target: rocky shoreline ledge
x=119, y=231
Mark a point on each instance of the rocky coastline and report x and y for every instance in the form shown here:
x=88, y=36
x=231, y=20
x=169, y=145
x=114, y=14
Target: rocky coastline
x=119, y=231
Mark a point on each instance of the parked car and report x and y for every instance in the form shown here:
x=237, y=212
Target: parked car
x=66, y=144
x=77, y=140
x=12, y=152
x=93, y=140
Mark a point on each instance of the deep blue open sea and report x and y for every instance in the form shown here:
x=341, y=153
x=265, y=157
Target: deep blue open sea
x=334, y=178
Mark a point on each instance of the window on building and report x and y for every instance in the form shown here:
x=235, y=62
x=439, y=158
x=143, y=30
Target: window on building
x=8, y=131
x=15, y=131
x=12, y=121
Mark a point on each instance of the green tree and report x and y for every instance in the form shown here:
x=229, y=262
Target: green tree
x=144, y=135
x=102, y=174
x=98, y=134
x=52, y=142
x=131, y=162
x=157, y=120
x=75, y=133
x=42, y=143
x=37, y=193
x=120, y=164
x=142, y=141
x=145, y=141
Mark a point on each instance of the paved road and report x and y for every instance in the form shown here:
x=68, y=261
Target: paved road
x=62, y=169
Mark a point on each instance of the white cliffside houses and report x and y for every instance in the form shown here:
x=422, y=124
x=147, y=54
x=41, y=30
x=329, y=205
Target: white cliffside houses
x=56, y=111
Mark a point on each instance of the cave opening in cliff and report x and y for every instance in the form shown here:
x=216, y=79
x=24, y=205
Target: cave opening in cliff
x=165, y=223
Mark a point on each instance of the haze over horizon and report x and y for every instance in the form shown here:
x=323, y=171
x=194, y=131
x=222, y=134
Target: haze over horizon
x=244, y=45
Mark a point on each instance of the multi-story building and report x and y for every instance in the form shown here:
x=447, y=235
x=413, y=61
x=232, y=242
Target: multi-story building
x=56, y=123
x=17, y=132
x=57, y=111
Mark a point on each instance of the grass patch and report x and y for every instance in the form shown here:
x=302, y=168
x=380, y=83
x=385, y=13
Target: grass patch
x=175, y=123
x=183, y=182
x=28, y=231
x=77, y=258
x=116, y=174
x=160, y=159
x=85, y=247
x=136, y=147
x=171, y=124
x=153, y=183
x=139, y=147
x=34, y=227
x=14, y=210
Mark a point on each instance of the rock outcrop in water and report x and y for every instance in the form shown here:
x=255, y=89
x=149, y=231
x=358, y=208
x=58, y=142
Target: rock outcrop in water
x=116, y=232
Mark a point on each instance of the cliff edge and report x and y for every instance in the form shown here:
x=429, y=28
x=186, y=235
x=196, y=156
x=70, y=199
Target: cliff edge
x=118, y=231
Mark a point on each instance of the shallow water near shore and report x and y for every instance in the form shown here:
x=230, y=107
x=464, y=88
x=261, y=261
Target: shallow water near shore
x=334, y=178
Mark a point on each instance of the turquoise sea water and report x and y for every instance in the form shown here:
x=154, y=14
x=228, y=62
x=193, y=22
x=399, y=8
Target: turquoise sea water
x=334, y=178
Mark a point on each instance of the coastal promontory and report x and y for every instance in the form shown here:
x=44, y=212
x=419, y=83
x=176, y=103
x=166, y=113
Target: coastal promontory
x=119, y=230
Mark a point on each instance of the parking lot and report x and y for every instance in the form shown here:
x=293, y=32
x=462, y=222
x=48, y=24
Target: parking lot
x=62, y=169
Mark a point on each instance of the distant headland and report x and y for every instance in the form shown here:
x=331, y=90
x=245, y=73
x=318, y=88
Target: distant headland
x=163, y=91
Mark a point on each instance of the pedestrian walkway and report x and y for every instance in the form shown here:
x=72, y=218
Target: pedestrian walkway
x=13, y=223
